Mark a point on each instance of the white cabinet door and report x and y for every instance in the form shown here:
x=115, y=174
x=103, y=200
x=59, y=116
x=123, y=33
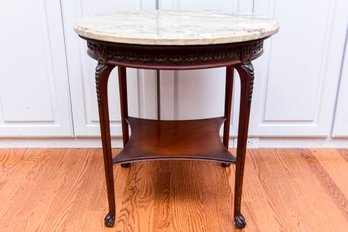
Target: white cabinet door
x=296, y=78
x=198, y=93
x=341, y=119
x=82, y=68
x=34, y=90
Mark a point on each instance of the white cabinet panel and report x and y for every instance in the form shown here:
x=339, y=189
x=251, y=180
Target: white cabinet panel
x=200, y=93
x=297, y=77
x=82, y=68
x=34, y=90
x=341, y=120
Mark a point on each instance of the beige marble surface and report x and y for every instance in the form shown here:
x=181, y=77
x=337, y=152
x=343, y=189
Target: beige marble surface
x=176, y=27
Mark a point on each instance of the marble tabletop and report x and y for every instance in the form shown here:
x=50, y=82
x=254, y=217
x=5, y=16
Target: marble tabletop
x=176, y=27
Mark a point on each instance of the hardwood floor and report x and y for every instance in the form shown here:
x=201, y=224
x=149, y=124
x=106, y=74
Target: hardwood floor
x=64, y=190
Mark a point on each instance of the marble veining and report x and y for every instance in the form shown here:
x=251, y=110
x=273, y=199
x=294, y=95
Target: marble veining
x=176, y=27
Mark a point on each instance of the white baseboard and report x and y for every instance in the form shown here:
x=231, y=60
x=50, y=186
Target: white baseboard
x=297, y=142
x=56, y=142
x=117, y=142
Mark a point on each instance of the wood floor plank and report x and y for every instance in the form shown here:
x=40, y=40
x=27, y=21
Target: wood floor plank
x=303, y=194
x=199, y=197
x=138, y=199
x=331, y=188
x=266, y=203
x=162, y=214
x=332, y=161
x=64, y=190
x=343, y=152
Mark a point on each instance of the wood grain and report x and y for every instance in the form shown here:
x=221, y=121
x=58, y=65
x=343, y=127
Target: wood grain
x=64, y=190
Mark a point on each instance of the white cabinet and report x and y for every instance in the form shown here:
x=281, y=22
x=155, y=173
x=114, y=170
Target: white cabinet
x=34, y=90
x=47, y=79
x=297, y=77
x=81, y=70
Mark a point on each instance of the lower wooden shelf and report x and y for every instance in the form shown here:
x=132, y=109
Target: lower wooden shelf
x=175, y=140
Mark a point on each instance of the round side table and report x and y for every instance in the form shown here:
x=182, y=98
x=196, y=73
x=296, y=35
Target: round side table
x=175, y=40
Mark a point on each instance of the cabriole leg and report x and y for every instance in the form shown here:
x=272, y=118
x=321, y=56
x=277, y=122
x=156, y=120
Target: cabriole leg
x=102, y=76
x=246, y=73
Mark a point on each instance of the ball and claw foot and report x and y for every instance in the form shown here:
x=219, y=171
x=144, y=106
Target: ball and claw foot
x=109, y=220
x=125, y=165
x=225, y=165
x=239, y=221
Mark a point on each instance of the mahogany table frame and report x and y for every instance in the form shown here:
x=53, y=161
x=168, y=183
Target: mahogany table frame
x=171, y=139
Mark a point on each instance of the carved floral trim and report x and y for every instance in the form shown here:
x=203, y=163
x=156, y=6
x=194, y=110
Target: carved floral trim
x=108, y=53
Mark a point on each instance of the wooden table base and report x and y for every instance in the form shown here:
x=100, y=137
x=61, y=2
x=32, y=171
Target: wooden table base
x=175, y=140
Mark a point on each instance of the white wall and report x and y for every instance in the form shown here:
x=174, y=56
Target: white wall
x=47, y=90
